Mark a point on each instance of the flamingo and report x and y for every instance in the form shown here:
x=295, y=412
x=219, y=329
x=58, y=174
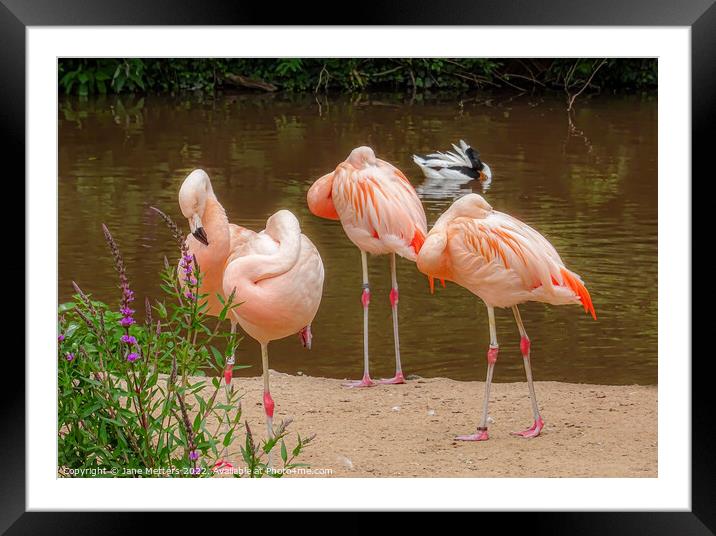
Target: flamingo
x=276, y=275
x=381, y=214
x=211, y=240
x=446, y=172
x=504, y=262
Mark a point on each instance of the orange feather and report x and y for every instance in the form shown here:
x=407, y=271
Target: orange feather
x=572, y=282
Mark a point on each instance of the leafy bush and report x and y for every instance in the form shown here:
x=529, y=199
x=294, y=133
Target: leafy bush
x=89, y=76
x=125, y=390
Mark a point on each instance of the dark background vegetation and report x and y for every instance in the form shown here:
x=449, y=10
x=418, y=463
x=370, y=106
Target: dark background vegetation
x=79, y=76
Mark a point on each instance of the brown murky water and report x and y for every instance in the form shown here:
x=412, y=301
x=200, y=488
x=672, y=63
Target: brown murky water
x=593, y=195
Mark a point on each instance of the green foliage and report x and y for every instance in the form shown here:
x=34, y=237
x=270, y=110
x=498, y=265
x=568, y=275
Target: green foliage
x=92, y=76
x=151, y=416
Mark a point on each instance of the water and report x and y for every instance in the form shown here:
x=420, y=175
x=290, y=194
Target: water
x=593, y=194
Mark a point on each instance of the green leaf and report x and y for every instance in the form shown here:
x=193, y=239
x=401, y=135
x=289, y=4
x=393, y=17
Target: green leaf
x=90, y=410
x=217, y=355
x=227, y=438
x=118, y=83
x=64, y=307
x=284, y=453
x=297, y=448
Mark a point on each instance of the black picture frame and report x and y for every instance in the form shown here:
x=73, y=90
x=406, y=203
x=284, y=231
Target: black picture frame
x=699, y=15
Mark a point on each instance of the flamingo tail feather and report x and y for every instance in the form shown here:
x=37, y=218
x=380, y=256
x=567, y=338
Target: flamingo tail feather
x=573, y=282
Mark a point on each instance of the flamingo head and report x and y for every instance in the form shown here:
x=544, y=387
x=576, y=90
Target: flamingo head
x=470, y=205
x=192, y=200
x=361, y=157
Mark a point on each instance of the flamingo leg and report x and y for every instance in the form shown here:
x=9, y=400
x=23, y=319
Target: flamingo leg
x=268, y=401
x=398, y=378
x=538, y=424
x=228, y=373
x=481, y=433
x=231, y=360
x=365, y=300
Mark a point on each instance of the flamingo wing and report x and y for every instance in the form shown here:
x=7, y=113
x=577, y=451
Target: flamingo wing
x=499, y=250
x=379, y=208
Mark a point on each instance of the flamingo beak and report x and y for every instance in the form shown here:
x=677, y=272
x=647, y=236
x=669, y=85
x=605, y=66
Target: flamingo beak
x=198, y=230
x=200, y=234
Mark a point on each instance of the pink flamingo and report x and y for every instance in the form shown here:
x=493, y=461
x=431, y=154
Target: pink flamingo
x=504, y=262
x=277, y=274
x=211, y=240
x=381, y=214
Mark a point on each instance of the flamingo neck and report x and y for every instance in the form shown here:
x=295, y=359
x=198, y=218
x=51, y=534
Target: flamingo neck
x=216, y=225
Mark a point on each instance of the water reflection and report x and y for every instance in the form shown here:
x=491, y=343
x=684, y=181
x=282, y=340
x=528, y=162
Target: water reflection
x=595, y=203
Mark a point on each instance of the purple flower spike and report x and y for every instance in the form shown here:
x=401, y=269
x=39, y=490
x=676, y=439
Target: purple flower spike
x=126, y=311
x=60, y=338
x=69, y=356
x=193, y=455
x=129, y=339
x=127, y=321
x=132, y=357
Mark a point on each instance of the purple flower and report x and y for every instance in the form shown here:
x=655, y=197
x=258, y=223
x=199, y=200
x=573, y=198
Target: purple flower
x=127, y=321
x=189, y=295
x=128, y=294
x=193, y=455
x=69, y=356
x=129, y=339
x=132, y=357
x=60, y=337
x=126, y=311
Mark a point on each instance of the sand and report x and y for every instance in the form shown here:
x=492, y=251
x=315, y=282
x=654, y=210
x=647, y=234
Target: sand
x=407, y=430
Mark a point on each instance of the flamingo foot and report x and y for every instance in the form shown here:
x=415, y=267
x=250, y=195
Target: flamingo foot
x=222, y=466
x=480, y=435
x=365, y=382
x=532, y=431
x=395, y=380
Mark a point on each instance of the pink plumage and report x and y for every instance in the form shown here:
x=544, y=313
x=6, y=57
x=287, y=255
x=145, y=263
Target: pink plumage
x=498, y=258
x=381, y=214
x=375, y=202
x=504, y=262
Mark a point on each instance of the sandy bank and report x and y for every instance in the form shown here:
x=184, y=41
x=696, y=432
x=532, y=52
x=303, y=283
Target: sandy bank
x=407, y=430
